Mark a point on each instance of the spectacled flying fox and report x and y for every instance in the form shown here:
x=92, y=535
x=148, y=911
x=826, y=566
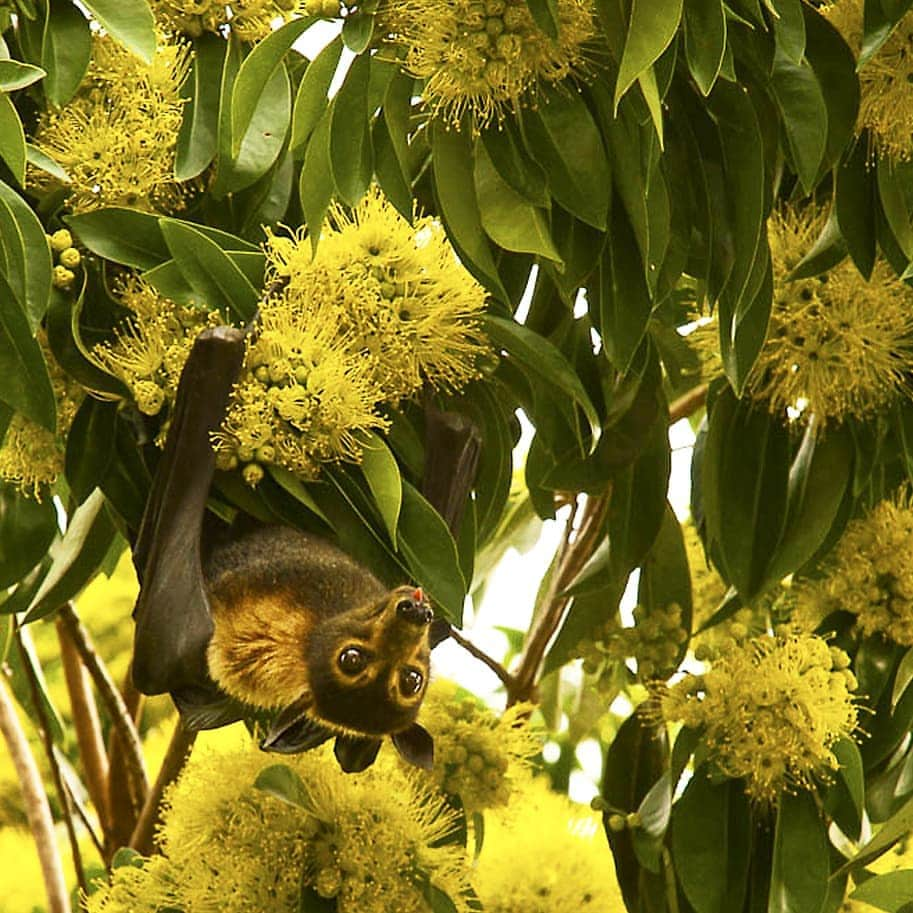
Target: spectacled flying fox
x=232, y=619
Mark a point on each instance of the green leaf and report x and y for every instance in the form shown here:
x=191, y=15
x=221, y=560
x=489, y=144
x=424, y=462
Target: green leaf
x=17, y=75
x=297, y=489
x=563, y=138
x=854, y=197
x=798, y=879
x=281, y=781
x=893, y=184
x=197, y=140
x=315, y=186
x=504, y=146
x=894, y=829
x=257, y=71
x=77, y=558
x=27, y=528
x=902, y=679
x=311, y=99
x=850, y=760
x=890, y=891
x=789, y=30
x=357, y=31
x=705, y=41
x=28, y=259
x=210, y=270
x=878, y=23
x=431, y=554
x=351, y=156
x=128, y=22
x=388, y=170
x=123, y=235
x=508, y=219
x=545, y=15
x=12, y=140
x=541, y=359
x=652, y=26
x=90, y=446
x=66, y=46
x=711, y=843
x=42, y=160
x=382, y=475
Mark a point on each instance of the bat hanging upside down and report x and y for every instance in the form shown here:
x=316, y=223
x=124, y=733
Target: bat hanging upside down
x=230, y=619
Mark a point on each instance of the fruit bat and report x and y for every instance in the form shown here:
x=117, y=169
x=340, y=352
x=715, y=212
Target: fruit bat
x=233, y=618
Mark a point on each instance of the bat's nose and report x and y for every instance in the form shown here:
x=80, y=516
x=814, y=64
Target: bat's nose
x=414, y=609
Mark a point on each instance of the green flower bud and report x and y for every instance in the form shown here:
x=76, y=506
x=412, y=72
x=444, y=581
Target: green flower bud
x=61, y=240
x=70, y=258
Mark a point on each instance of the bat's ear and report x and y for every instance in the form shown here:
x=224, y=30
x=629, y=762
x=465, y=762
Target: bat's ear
x=293, y=731
x=206, y=707
x=452, y=449
x=439, y=632
x=416, y=746
x=355, y=754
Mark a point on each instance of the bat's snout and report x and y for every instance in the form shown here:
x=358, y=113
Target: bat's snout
x=415, y=609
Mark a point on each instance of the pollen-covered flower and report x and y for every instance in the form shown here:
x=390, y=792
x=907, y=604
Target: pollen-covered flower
x=31, y=457
x=372, y=841
x=771, y=707
x=838, y=344
x=484, y=56
x=545, y=854
x=885, y=97
x=250, y=20
x=869, y=574
x=149, y=350
x=116, y=138
x=478, y=756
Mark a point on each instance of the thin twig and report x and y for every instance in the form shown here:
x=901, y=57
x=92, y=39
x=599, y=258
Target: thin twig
x=37, y=809
x=121, y=719
x=506, y=678
x=86, y=725
x=86, y=823
x=47, y=740
x=179, y=748
x=124, y=814
x=688, y=403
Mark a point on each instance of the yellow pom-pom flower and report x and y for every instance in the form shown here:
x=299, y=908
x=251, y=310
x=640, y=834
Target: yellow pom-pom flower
x=771, y=708
x=250, y=20
x=483, y=57
x=478, y=756
x=885, y=99
x=368, y=840
x=869, y=574
x=31, y=457
x=545, y=855
x=836, y=343
x=116, y=138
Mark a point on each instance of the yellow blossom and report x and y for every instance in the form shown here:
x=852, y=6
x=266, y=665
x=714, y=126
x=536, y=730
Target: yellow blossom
x=841, y=345
x=150, y=349
x=485, y=56
x=366, y=839
x=771, y=708
x=116, y=138
x=31, y=457
x=885, y=99
x=869, y=574
x=546, y=855
x=250, y=20
x=478, y=756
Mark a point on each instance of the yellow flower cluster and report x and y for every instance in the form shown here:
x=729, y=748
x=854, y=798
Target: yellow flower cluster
x=149, y=352
x=770, y=708
x=869, y=574
x=484, y=56
x=368, y=841
x=31, y=457
x=478, y=756
x=383, y=307
x=654, y=641
x=546, y=856
x=250, y=20
x=841, y=345
x=885, y=99
x=116, y=139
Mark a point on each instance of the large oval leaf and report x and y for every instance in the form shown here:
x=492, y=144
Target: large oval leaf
x=128, y=21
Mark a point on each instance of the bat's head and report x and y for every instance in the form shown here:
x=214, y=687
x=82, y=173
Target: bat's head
x=368, y=667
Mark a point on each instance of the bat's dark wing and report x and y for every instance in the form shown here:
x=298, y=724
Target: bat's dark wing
x=173, y=620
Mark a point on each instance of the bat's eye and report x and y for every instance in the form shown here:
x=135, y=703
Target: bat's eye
x=410, y=681
x=352, y=660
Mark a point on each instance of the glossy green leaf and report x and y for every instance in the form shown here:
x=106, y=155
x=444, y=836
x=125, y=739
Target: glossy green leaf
x=43, y=161
x=311, y=99
x=508, y=219
x=890, y=891
x=351, y=155
x=128, y=22
x=903, y=678
x=878, y=23
x=382, y=475
x=25, y=259
x=280, y=781
x=388, y=170
x=257, y=71
x=197, y=140
x=651, y=27
x=90, y=446
x=850, y=771
x=123, y=235
x=893, y=189
x=798, y=878
x=789, y=30
x=513, y=163
x=12, y=140
x=210, y=270
x=431, y=554
x=357, y=31
x=564, y=139
x=854, y=197
x=315, y=187
x=545, y=15
x=14, y=74
x=705, y=41
x=894, y=829
x=66, y=46
x=27, y=528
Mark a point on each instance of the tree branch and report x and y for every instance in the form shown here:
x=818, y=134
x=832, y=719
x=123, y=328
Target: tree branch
x=688, y=403
x=37, y=809
x=506, y=678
